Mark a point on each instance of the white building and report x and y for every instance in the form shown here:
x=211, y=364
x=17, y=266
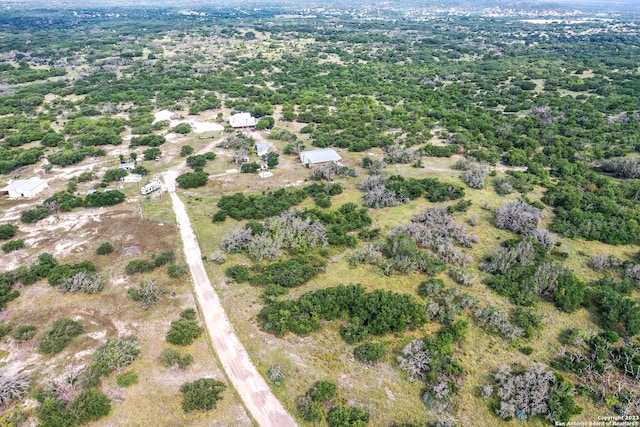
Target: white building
x=319, y=157
x=242, y=120
x=28, y=188
x=132, y=177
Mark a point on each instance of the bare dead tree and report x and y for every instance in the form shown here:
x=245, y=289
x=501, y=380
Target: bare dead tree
x=415, y=360
x=82, y=281
x=519, y=217
x=12, y=386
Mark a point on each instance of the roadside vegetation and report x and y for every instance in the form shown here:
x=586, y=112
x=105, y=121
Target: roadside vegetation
x=485, y=210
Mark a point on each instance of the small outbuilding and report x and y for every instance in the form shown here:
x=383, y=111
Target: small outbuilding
x=319, y=157
x=25, y=188
x=127, y=166
x=242, y=121
x=132, y=177
x=262, y=148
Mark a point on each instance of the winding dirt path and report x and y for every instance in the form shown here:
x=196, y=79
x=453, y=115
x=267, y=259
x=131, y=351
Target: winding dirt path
x=266, y=410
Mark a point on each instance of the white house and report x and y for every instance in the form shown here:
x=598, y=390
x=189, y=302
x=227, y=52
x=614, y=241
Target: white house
x=242, y=120
x=319, y=157
x=28, y=188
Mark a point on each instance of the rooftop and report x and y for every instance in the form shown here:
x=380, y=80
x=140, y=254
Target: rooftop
x=319, y=156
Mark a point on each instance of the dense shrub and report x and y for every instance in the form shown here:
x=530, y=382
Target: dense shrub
x=13, y=245
x=89, y=405
x=58, y=273
x=139, y=266
x=252, y=167
x=312, y=412
x=105, y=198
x=148, y=140
x=377, y=313
x=370, y=352
x=239, y=273
x=186, y=150
x=104, y=249
x=288, y=273
x=199, y=161
x=184, y=330
x=346, y=416
x=31, y=216
x=114, y=175
x=202, y=394
x=62, y=332
x=182, y=128
x=257, y=207
x=7, y=231
x=192, y=179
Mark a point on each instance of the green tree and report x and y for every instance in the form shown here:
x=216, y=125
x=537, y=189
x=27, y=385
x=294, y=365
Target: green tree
x=202, y=394
x=182, y=128
x=7, y=231
x=192, y=179
x=346, y=416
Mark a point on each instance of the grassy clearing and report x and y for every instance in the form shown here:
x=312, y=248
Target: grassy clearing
x=158, y=210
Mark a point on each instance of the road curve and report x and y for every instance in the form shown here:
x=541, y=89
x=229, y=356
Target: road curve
x=266, y=410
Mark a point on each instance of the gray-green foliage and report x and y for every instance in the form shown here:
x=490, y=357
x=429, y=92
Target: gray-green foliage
x=146, y=294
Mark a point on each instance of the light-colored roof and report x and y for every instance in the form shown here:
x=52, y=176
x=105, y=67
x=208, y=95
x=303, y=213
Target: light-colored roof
x=319, y=156
x=262, y=148
x=25, y=184
x=242, y=120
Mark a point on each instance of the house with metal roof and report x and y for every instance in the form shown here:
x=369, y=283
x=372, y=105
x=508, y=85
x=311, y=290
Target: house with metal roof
x=242, y=120
x=319, y=157
x=27, y=188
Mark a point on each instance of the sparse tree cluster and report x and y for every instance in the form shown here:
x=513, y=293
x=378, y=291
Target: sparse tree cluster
x=534, y=392
x=82, y=281
x=608, y=369
x=623, y=167
x=330, y=171
x=267, y=240
x=519, y=217
x=474, y=173
x=435, y=229
x=431, y=361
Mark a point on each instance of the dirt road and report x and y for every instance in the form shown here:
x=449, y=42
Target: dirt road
x=252, y=388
